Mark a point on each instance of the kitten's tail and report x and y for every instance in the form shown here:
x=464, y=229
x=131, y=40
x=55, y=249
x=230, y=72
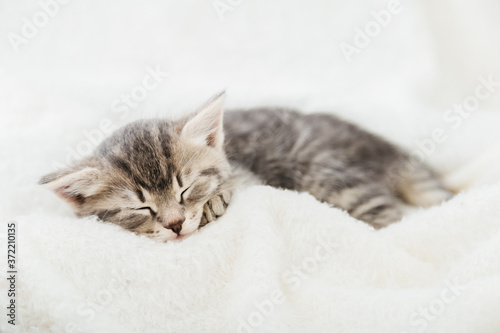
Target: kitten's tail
x=419, y=185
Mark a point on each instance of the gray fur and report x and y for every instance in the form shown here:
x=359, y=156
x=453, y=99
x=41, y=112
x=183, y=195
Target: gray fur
x=334, y=160
x=153, y=177
x=166, y=179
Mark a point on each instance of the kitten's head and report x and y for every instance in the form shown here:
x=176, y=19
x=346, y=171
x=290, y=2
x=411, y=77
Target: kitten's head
x=152, y=177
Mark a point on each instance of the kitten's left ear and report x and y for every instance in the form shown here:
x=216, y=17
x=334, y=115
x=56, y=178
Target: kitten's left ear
x=73, y=184
x=206, y=126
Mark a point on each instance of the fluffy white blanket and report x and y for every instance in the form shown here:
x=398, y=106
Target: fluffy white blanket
x=278, y=261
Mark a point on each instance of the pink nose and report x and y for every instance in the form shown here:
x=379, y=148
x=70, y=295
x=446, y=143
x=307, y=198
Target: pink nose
x=176, y=226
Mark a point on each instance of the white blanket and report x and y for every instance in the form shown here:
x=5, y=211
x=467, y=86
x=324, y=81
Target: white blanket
x=278, y=261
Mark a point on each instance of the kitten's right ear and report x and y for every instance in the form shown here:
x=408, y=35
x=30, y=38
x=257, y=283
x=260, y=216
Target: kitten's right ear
x=206, y=127
x=73, y=185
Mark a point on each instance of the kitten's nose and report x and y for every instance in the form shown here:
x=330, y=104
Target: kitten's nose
x=176, y=226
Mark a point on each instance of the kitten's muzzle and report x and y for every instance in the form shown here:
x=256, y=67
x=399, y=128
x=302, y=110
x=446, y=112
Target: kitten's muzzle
x=175, y=226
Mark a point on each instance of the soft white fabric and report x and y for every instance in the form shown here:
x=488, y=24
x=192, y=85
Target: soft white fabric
x=278, y=261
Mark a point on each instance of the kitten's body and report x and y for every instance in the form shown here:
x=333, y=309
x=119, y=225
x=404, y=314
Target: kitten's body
x=166, y=179
x=334, y=160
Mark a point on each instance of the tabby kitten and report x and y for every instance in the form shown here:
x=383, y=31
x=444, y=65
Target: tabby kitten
x=166, y=179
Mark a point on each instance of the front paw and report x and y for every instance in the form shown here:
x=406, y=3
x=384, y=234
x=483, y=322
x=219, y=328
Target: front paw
x=215, y=207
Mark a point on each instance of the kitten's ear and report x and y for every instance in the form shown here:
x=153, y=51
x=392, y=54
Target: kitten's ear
x=73, y=184
x=206, y=126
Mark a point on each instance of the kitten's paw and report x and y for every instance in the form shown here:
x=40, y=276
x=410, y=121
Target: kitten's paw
x=215, y=207
x=381, y=215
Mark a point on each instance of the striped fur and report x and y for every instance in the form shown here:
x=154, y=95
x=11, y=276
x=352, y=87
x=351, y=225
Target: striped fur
x=166, y=179
x=335, y=161
x=153, y=177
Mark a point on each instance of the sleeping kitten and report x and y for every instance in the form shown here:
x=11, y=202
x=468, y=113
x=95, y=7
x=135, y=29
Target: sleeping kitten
x=166, y=179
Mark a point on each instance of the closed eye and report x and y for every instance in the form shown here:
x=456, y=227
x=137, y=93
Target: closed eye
x=153, y=213
x=182, y=195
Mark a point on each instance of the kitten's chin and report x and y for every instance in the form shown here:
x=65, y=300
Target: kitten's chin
x=173, y=237
x=167, y=237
